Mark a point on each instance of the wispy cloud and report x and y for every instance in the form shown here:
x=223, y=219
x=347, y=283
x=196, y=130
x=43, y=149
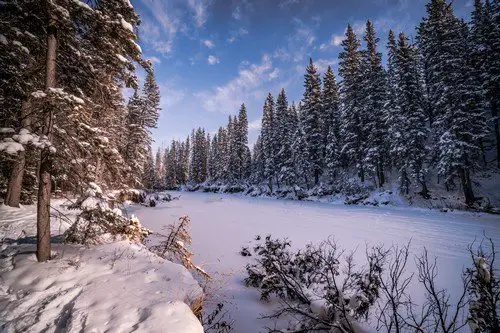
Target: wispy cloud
x=199, y=7
x=248, y=85
x=298, y=44
x=287, y=3
x=274, y=74
x=236, y=34
x=170, y=95
x=212, y=60
x=255, y=125
x=153, y=59
x=165, y=19
x=208, y=43
x=236, y=14
x=161, y=35
x=322, y=64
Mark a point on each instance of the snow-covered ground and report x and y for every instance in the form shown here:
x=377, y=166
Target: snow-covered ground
x=222, y=224
x=116, y=287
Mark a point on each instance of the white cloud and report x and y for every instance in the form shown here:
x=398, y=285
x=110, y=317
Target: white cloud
x=322, y=64
x=255, y=125
x=154, y=60
x=160, y=41
x=208, y=43
x=199, y=7
x=274, y=74
x=337, y=39
x=248, y=85
x=212, y=60
x=236, y=13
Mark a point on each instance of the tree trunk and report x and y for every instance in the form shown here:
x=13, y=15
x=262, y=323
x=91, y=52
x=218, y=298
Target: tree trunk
x=467, y=187
x=16, y=177
x=380, y=174
x=45, y=185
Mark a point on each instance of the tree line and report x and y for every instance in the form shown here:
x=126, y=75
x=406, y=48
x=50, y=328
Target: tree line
x=430, y=115
x=64, y=121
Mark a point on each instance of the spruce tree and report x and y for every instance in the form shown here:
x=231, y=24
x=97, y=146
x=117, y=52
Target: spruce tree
x=149, y=173
x=312, y=121
x=409, y=131
x=331, y=122
x=242, y=144
x=374, y=101
x=268, y=136
x=459, y=123
x=351, y=128
x=285, y=130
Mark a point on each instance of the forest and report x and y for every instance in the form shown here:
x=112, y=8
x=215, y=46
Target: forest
x=94, y=234
x=427, y=119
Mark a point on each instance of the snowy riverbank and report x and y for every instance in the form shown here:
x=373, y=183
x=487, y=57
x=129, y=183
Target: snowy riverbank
x=115, y=287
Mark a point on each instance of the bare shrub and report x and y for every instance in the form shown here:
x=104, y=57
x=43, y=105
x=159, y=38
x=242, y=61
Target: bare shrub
x=175, y=245
x=321, y=288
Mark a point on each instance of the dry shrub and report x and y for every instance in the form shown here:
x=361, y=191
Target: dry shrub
x=175, y=246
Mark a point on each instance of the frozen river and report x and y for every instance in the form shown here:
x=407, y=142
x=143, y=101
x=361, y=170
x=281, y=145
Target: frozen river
x=222, y=224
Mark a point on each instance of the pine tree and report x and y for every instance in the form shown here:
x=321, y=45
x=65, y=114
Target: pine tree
x=257, y=162
x=242, y=144
x=331, y=113
x=459, y=123
x=493, y=69
x=212, y=159
x=149, y=174
x=409, y=132
x=351, y=128
x=158, y=169
x=268, y=136
x=285, y=130
x=312, y=121
x=300, y=151
x=151, y=94
x=374, y=101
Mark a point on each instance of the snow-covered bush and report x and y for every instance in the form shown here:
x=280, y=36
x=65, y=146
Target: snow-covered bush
x=319, y=286
x=98, y=223
x=322, y=289
x=135, y=196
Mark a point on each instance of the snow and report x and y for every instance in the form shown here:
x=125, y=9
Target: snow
x=7, y=130
x=121, y=58
x=126, y=25
x=69, y=97
x=10, y=147
x=21, y=46
x=107, y=288
x=222, y=224
x=136, y=46
x=127, y=3
x=82, y=5
x=38, y=94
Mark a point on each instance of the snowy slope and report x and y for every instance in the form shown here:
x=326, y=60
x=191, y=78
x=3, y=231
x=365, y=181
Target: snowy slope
x=117, y=287
x=223, y=223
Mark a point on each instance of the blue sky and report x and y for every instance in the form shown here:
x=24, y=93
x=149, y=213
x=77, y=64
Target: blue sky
x=212, y=55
